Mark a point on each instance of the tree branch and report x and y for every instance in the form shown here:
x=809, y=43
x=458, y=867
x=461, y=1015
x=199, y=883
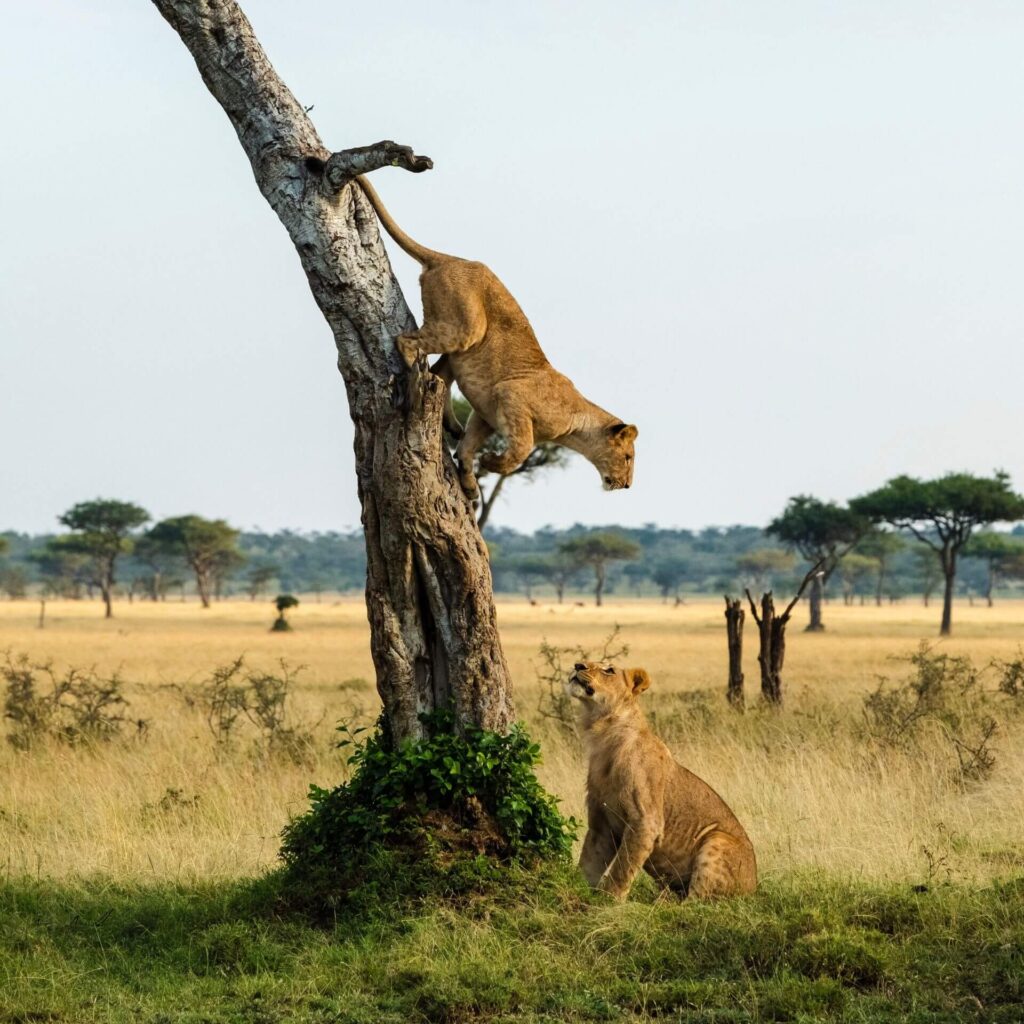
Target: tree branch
x=753, y=608
x=343, y=166
x=803, y=586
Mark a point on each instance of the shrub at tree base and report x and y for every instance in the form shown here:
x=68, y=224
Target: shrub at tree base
x=440, y=815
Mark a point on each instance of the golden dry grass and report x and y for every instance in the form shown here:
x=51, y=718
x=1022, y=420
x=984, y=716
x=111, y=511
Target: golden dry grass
x=813, y=793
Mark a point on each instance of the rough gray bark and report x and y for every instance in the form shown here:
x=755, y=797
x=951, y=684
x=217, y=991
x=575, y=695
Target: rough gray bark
x=433, y=630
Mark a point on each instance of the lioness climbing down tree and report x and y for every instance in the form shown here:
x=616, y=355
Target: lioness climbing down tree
x=490, y=350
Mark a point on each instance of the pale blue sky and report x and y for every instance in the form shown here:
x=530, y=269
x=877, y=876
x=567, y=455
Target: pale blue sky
x=784, y=238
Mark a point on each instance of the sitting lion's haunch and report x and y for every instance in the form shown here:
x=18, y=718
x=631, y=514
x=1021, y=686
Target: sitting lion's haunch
x=488, y=347
x=646, y=812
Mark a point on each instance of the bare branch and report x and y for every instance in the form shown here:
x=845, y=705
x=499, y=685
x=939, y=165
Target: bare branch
x=753, y=607
x=803, y=586
x=343, y=166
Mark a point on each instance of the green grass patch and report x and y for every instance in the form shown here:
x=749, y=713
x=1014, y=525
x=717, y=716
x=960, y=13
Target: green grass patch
x=540, y=947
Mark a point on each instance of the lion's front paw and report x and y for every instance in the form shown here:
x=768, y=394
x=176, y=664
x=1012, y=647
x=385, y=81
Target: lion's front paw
x=606, y=885
x=469, y=485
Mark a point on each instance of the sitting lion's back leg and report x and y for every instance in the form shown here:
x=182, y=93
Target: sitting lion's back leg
x=723, y=866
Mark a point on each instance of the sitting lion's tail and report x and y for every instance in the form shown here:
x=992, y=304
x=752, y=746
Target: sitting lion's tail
x=426, y=257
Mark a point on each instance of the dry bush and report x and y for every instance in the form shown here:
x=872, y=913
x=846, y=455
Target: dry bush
x=943, y=692
x=236, y=694
x=76, y=706
x=1011, y=675
x=555, y=668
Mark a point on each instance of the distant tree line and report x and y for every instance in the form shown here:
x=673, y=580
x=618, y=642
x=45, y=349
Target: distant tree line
x=910, y=537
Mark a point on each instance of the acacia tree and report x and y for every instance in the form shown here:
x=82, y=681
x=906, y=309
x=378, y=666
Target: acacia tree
x=62, y=565
x=546, y=455
x=943, y=513
x=1003, y=556
x=854, y=569
x=880, y=546
x=669, y=574
x=597, y=550
x=101, y=531
x=926, y=570
x=257, y=579
x=822, y=532
x=433, y=629
x=208, y=546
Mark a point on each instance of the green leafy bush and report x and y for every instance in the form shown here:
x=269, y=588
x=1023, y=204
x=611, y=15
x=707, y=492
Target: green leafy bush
x=450, y=798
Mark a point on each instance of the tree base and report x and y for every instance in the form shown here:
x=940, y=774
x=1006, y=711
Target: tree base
x=447, y=813
x=815, y=628
x=281, y=626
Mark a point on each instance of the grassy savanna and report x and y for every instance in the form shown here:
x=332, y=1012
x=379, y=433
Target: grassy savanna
x=133, y=866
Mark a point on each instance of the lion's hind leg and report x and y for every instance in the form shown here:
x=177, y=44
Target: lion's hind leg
x=454, y=317
x=723, y=866
x=476, y=433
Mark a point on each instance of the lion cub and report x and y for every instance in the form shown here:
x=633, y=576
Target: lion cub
x=644, y=810
x=489, y=348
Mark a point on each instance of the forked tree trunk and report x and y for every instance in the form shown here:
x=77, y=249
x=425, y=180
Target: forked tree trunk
x=734, y=616
x=433, y=631
x=771, y=628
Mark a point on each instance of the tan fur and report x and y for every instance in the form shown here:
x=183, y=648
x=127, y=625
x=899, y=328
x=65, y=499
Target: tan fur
x=645, y=811
x=488, y=347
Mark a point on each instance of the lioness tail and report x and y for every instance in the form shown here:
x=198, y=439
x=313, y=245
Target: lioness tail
x=420, y=253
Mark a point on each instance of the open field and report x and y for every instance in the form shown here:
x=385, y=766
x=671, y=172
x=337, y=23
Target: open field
x=813, y=795
x=129, y=866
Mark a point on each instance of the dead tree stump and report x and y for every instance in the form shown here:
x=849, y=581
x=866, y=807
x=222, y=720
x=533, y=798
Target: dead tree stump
x=734, y=616
x=771, y=630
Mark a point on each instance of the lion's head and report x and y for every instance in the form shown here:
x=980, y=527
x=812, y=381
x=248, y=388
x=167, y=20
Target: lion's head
x=603, y=687
x=614, y=459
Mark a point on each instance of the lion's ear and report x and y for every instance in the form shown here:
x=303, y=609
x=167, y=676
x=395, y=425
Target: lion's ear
x=638, y=679
x=623, y=431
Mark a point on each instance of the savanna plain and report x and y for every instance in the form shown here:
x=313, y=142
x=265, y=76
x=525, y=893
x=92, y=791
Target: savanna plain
x=885, y=800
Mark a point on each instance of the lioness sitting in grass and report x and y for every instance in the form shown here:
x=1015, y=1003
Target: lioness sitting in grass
x=644, y=810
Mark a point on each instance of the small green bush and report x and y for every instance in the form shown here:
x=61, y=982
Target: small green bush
x=451, y=804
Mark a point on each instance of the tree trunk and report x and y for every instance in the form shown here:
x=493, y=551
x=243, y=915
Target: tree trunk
x=108, y=601
x=734, y=616
x=771, y=652
x=203, y=587
x=433, y=629
x=559, y=590
x=881, y=584
x=990, y=582
x=771, y=630
x=814, y=602
x=598, y=583
x=949, y=572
